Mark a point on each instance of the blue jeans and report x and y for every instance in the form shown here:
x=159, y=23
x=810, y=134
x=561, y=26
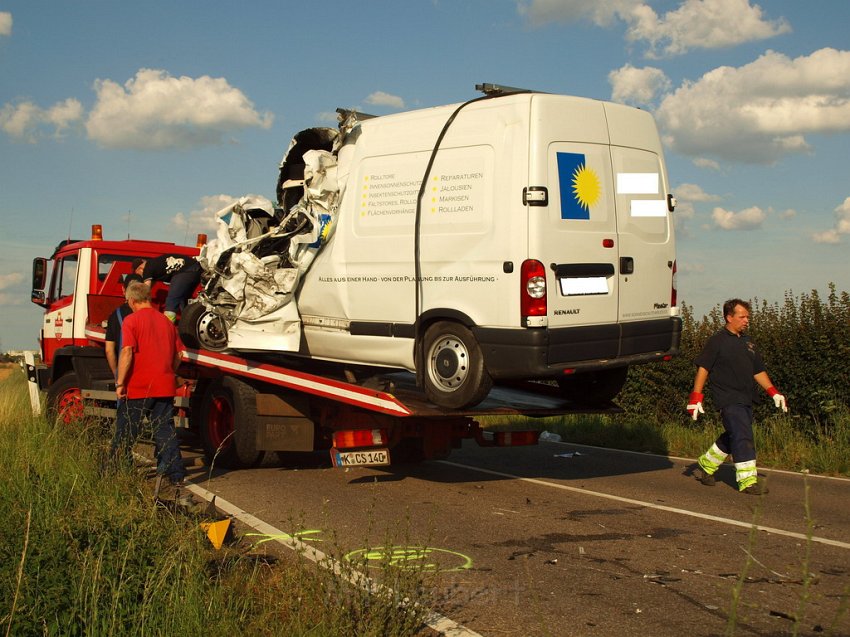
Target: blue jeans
x=181, y=286
x=160, y=413
x=125, y=436
x=737, y=439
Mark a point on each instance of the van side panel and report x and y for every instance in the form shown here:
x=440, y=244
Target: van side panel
x=473, y=230
x=606, y=245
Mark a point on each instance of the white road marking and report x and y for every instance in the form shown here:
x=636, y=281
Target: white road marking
x=440, y=623
x=651, y=505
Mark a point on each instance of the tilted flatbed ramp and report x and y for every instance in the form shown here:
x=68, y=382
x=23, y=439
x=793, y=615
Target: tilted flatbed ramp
x=396, y=393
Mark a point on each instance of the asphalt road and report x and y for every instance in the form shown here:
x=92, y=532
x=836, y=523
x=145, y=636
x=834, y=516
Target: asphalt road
x=568, y=540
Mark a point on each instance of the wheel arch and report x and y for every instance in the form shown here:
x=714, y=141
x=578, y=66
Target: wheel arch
x=426, y=320
x=86, y=361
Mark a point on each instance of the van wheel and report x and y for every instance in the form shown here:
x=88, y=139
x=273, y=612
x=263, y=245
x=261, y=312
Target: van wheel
x=229, y=424
x=594, y=387
x=200, y=328
x=65, y=400
x=454, y=373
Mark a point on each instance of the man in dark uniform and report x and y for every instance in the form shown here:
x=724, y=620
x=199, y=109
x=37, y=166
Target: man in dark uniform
x=113, y=327
x=735, y=367
x=120, y=444
x=182, y=274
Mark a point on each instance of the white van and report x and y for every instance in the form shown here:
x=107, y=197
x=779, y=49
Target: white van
x=523, y=236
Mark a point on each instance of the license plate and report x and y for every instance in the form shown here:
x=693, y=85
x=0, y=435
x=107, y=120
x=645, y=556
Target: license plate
x=361, y=458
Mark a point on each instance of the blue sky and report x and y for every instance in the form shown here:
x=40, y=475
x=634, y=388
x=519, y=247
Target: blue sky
x=146, y=117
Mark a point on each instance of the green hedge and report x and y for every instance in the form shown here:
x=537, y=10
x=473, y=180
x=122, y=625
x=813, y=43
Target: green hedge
x=805, y=343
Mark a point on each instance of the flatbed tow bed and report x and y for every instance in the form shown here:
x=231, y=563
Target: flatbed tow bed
x=244, y=405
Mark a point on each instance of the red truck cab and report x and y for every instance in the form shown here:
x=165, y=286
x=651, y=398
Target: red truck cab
x=79, y=286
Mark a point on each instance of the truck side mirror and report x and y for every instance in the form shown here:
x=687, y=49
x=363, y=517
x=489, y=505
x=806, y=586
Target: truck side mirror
x=39, y=280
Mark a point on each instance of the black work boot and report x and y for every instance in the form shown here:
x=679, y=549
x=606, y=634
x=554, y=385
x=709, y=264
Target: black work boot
x=706, y=478
x=756, y=488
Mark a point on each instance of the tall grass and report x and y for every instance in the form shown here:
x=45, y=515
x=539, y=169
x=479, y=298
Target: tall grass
x=85, y=551
x=821, y=446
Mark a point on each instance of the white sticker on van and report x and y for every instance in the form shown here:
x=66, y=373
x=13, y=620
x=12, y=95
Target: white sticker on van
x=580, y=186
x=648, y=208
x=637, y=183
x=582, y=286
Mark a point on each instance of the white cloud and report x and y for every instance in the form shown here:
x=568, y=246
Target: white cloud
x=842, y=225
x=696, y=24
x=202, y=218
x=26, y=121
x=761, y=111
x=827, y=236
x=602, y=13
x=380, y=98
x=703, y=162
x=689, y=268
x=9, y=295
x=687, y=195
x=11, y=279
x=154, y=110
x=747, y=219
x=327, y=117
x=693, y=192
x=637, y=86
x=701, y=24
x=5, y=23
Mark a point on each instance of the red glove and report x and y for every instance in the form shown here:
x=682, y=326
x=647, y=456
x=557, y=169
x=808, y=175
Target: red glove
x=695, y=405
x=778, y=399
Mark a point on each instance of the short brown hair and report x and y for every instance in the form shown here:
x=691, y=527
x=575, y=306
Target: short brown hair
x=138, y=292
x=731, y=304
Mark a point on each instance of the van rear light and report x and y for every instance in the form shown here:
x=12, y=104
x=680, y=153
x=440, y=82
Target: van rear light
x=674, y=293
x=351, y=438
x=533, y=289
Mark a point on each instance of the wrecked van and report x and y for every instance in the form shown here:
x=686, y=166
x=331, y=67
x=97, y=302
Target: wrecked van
x=517, y=236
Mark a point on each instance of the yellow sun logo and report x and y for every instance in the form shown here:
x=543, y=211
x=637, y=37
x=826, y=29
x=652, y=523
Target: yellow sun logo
x=586, y=187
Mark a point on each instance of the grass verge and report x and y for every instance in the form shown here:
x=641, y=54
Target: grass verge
x=85, y=551
x=782, y=441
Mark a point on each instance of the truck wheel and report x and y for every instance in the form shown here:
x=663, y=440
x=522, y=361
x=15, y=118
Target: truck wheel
x=65, y=400
x=200, y=328
x=594, y=387
x=454, y=374
x=229, y=424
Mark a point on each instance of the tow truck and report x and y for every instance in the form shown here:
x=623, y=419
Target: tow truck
x=243, y=407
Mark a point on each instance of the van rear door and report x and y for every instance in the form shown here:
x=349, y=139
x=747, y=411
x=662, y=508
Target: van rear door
x=574, y=236
x=644, y=222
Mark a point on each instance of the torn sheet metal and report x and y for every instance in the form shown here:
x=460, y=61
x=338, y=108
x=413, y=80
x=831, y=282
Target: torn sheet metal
x=261, y=250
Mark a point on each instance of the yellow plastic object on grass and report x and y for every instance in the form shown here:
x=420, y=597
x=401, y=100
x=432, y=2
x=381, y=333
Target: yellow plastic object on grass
x=216, y=531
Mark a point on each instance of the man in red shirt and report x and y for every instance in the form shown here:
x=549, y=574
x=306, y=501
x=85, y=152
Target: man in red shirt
x=149, y=358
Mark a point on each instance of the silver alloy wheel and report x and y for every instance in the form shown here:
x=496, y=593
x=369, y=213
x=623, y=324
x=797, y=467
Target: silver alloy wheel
x=212, y=332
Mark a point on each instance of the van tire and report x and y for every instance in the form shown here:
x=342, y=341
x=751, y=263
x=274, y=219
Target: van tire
x=229, y=424
x=594, y=387
x=453, y=369
x=199, y=328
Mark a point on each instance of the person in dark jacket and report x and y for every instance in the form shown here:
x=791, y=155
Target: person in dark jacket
x=735, y=368
x=182, y=273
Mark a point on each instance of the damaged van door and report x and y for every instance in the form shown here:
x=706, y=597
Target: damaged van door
x=262, y=250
